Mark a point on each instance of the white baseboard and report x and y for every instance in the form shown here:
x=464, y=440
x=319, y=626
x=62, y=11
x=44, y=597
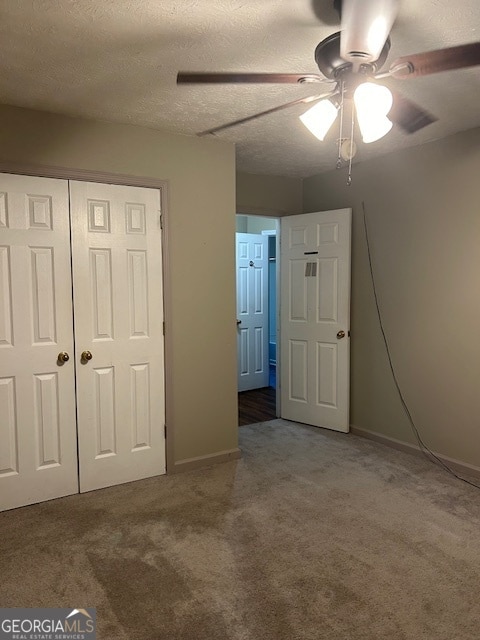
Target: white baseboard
x=462, y=468
x=205, y=461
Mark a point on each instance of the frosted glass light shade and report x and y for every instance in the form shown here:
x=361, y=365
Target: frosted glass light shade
x=372, y=103
x=375, y=130
x=365, y=28
x=319, y=118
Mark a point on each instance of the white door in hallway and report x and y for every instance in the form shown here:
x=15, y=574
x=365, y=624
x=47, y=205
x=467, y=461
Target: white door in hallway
x=315, y=318
x=252, y=310
x=38, y=446
x=118, y=301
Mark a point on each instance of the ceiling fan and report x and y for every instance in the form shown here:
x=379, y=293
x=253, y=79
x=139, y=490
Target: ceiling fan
x=351, y=62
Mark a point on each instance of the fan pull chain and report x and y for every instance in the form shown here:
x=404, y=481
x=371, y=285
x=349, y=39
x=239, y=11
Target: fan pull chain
x=340, y=138
x=349, y=179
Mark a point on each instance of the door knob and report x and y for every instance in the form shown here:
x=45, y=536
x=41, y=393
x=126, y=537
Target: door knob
x=239, y=322
x=340, y=335
x=86, y=356
x=63, y=357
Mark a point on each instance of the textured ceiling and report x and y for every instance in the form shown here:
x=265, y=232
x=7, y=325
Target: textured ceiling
x=117, y=60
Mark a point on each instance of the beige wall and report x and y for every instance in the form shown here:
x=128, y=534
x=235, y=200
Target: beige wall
x=201, y=227
x=255, y=224
x=423, y=211
x=268, y=195
x=241, y=224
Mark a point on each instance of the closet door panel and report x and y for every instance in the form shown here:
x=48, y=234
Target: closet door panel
x=117, y=277
x=38, y=447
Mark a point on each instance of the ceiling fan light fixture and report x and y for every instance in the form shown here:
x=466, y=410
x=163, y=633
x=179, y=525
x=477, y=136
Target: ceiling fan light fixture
x=373, y=131
x=365, y=28
x=319, y=118
x=372, y=103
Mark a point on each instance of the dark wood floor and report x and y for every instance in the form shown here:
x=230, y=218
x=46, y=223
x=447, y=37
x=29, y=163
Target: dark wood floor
x=257, y=405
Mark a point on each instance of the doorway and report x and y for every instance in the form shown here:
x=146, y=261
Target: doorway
x=256, y=251
x=314, y=313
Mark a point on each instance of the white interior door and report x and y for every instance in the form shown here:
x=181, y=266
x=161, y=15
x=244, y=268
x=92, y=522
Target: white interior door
x=117, y=283
x=38, y=448
x=252, y=310
x=315, y=318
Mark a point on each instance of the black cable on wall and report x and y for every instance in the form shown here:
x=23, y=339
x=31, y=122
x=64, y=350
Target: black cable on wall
x=423, y=447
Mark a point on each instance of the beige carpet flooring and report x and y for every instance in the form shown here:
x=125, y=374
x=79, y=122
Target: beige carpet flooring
x=312, y=535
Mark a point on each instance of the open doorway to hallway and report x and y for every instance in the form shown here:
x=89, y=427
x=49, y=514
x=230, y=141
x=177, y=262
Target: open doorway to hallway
x=256, y=282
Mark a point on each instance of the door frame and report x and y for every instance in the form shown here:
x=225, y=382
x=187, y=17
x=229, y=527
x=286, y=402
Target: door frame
x=275, y=217
x=85, y=175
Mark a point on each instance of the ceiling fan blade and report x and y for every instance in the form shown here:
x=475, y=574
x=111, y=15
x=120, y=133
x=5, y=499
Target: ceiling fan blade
x=428, y=62
x=194, y=77
x=408, y=115
x=287, y=105
x=366, y=25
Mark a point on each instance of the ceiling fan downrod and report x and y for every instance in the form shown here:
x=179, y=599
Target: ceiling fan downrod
x=346, y=146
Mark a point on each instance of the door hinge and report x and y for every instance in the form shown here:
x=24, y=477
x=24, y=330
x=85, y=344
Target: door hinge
x=163, y=324
x=165, y=430
x=161, y=221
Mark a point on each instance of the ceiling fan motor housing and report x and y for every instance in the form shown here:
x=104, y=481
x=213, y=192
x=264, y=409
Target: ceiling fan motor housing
x=365, y=28
x=332, y=65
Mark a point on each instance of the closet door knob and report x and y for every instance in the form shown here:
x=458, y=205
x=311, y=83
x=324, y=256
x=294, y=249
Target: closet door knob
x=63, y=357
x=86, y=356
x=340, y=335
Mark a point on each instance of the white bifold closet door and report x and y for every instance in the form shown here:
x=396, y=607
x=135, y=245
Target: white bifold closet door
x=117, y=285
x=117, y=293
x=38, y=440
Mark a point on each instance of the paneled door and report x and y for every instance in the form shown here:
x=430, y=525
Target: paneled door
x=117, y=284
x=92, y=367
x=315, y=318
x=252, y=310
x=38, y=442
